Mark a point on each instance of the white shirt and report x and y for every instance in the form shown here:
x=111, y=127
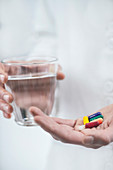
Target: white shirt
x=84, y=31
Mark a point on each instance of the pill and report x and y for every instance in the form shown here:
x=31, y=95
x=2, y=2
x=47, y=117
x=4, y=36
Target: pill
x=96, y=117
x=85, y=120
x=100, y=120
x=81, y=127
x=95, y=114
x=91, y=124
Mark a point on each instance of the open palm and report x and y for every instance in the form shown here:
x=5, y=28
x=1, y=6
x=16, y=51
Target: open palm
x=66, y=130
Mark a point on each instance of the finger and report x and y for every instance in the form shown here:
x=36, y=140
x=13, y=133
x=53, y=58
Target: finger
x=102, y=126
x=106, y=124
x=101, y=137
x=60, y=76
x=5, y=107
x=8, y=116
x=36, y=111
x=68, y=122
x=47, y=123
x=62, y=133
x=88, y=141
x=79, y=122
x=3, y=76
x=5, y=95
x=59, y=132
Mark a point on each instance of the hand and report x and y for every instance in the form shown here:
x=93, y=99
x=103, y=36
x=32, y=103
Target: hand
x=20, y=89
x=67, y=131
x=5, y=97
x=103, y=134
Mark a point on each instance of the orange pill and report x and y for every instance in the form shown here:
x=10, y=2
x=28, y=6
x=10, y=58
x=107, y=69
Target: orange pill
x=99, y=120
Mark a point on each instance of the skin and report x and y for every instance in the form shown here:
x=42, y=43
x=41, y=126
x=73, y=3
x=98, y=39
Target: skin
x=66, y=130
x=5, y=97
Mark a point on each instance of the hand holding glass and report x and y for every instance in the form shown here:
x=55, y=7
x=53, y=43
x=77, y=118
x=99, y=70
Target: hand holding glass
x=32, y=83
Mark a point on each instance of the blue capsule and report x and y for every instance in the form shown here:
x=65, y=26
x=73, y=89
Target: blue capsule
x=94, y=115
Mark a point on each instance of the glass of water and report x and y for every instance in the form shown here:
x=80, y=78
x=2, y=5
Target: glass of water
x=32, y=82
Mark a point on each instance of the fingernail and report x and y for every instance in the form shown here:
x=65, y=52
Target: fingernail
x=89, y=140
x=6, y=98
x=2, y=77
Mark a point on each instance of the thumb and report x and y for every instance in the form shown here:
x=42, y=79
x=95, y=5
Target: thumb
x=88, y=140
x=60, y=76
x=36, y=111
x=100, y=137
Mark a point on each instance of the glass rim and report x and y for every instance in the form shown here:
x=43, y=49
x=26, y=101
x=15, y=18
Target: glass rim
x=48, y=60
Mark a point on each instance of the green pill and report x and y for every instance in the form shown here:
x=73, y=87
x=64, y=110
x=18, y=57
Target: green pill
x=96, y=117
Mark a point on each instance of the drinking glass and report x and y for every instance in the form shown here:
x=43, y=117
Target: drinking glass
x=32, y=82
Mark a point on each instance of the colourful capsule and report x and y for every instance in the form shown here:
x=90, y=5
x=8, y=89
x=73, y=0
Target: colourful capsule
x=94, y=115
x=100, y=120
x=85, y=120
x=92, y=124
